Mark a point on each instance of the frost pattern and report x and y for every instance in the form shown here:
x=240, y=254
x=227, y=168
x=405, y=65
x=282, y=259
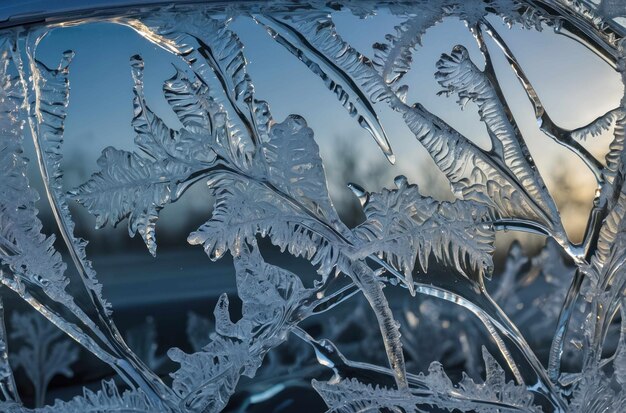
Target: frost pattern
x=493, y=395
x=270, y=295
x=20, y=231
x=45, y=352
x=401, y=224
x=8, y=388
x=394, y=57
x=135, y=187
x=268, y=181
x=107, y=399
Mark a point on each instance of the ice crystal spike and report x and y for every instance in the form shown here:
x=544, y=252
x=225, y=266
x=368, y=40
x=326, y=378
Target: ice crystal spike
x=394, y=57
x=51, y=87
x=341, y=82
x=457, y=74
x=359, y=192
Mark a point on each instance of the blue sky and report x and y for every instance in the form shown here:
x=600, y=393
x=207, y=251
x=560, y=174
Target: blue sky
x=574, y=85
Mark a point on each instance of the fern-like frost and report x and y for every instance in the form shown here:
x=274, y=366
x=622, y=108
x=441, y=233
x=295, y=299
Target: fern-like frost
x=494, y=395
x=207, y=378
x=406, y=227
x=20, y=229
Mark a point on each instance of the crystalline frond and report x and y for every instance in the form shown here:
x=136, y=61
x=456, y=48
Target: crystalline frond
x=245, y=208
x=495, y=387
x=610, y=232
x=45, y=351
x=134, y=187
x=599, y=125
x=594, y=392
x=190, y=101
x=345, y=72
x=613, y=192
x=207, y=378
x=30, y=254
x=458, y=74
x=294, y=209
x=215, y=55
x=473, y=173
x=130, y=186
x=51, y=91
x=295, y=167
x=153, y=136
x=108, y=399
x=494, y=395
x=352, y=396
x=406, y=227
x=193, y=145
x=138, y=187
x=393, y=57
x=614, y=157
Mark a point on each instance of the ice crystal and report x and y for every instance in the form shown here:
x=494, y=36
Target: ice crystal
x=404, y=226
x=20, y=230
x=270, y=295
x=135, y=187
x=394, y=57
x=268, y=181
x=493, y=395
x=108, y=399
x=44, y=354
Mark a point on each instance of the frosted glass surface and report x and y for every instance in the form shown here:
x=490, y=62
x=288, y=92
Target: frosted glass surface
x=350, y=206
